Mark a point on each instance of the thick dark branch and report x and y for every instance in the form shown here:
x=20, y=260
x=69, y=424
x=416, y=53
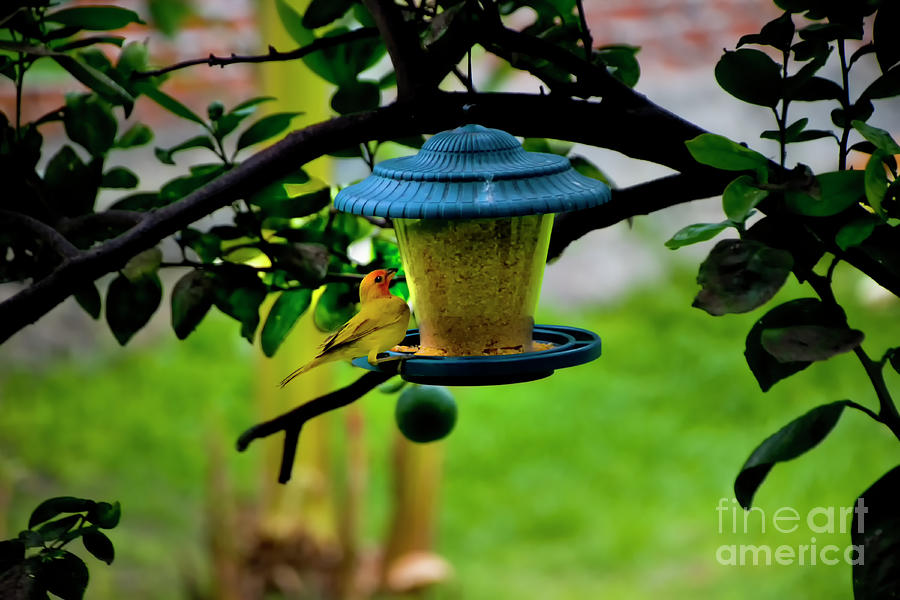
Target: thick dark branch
x=641, y=199
x=54, y=239
x=293, y=421
x=272, y=56
x=414, y=74
x=119, y=219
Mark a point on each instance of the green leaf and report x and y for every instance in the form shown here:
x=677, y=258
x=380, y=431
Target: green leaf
x=812, y=89
x=340, y=65
x=881, y=138
x=105, y=515
x=875, y=527
x=130, y=304
x=739, y=276
x=356, y=96
x=886, y=86
x=778, y=33
x=293, y=196
x=141, y=201
x=133, y=58
x=336, y=306
x=855, y=232
x=169, y=15
x=95, y=18
x=71, y=184
x=322, y=12
x=293, y=23
x=31, y=539
x=876, y=181
x=119, y=178
x=794, y=439
x=200, y=141
x=266, y=128
x=48, y=509
x=804, y=311
x=181, y=187
x=698, y=232
x=192, y=298
x=99, y=545
x=230, y=120
x=740, y=197
x=836, y=191
x=137, y=135
x=303, y=262
x=53, y=530
x=751, y=76
x=64, y=574
x=167, y=102
x=96, y=80
x=239, y=296
x=143, y=264
x=548, y=146
x=884, y=34
x=622, y=62
x=809, y=343
x=287, y=309
x=589, y=169
x=721, y=153
x=88, y=298
x=89, y=121
x=84, y=42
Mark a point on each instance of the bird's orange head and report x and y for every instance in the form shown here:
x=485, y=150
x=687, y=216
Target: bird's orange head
x=376, y=284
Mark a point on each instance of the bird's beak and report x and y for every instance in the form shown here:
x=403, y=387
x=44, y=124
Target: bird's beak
x=391, y=272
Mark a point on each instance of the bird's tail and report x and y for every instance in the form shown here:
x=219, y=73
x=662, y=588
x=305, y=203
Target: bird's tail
x=298, y=372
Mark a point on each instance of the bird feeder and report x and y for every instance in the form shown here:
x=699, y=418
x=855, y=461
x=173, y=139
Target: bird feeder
x=473, y=212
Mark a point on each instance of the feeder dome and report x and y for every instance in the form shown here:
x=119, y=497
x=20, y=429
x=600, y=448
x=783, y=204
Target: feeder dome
x=472, y=172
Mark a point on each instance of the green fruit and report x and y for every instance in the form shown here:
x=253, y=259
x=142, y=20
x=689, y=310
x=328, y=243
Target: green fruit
x=425, y=413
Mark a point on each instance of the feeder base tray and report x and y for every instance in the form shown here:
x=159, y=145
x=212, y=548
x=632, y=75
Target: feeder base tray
x=571, y=346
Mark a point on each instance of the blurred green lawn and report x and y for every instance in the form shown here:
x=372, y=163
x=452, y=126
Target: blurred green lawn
x=600, y=481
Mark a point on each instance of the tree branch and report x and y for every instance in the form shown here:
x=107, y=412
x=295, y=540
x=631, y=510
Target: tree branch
x=273, y=55
x=413, y=73
x=292, y=422
x=54, y=239
x=123, y=219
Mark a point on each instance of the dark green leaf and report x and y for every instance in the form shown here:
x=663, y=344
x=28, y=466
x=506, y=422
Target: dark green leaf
x=812, y=89
x=96, y=80
x=875, y=530
x=880, y=138
x=778, y=33
x=622, y=62
x=133, y=58
x=12, y=552
x=89, y=299
x=860, y=111
x=167, y=102
x=804, y=311
x=137, y=135
x=293, y=196
x=120, y=178
x=89, y=41
x=192, y=298
x=341, y=64
x=239, y=296
x=876, y=181
x=53, y=530
x=64, y=575
x=90, y=122
x=886, y=86
x=739, y=276
x=740, y=197
x=293, y=23
x=48, y=509
x=140, y=202
x=698, y=232
x=284, y=314
x=751, y=76
x=266, y=128
x=812, y=134
x=71, y=184
x=129, y=305
x=96, y=18
x=183, y=186
x=809, y=342
x=884, y=33
x=589, y=169
x=356, y=96
x=721, y=153
x=303, y=262
x=143, y=264
x=828, y=32
x=548, y=146
x=794, y=439
x=201, y=141
x=99, y=545
x=836, y=192
x=236, y=115
x=855, y=232
x=322, y=12
x=860, y=52
x=336, y=306
x=105, y=515
x=31, y=539
x=895, y=359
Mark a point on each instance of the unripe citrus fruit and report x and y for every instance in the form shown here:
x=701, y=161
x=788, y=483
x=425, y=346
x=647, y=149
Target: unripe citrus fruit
x=425, y=413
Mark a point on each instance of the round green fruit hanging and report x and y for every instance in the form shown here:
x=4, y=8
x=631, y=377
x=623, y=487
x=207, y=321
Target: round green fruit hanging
x=425, y=413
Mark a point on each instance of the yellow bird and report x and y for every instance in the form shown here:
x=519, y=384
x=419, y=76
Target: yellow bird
x=379, y=325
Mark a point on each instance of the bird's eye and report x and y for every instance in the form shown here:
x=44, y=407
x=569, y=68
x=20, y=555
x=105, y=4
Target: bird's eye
x=378, y=279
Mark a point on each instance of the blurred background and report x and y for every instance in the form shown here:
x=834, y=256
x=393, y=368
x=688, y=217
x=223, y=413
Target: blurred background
x=601, y=481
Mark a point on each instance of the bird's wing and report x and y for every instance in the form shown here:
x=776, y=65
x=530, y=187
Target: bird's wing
x=352, y=332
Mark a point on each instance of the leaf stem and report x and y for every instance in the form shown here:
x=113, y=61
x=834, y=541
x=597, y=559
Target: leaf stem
x=845, y=102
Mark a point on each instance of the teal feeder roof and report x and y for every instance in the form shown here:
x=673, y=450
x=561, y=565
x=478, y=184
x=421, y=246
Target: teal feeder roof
x=472, y=172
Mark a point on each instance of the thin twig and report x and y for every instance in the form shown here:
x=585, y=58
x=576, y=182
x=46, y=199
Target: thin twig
x=292, y=422
x=272, y=55
x=586, y=37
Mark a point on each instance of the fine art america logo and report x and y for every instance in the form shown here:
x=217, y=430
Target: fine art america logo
x=820, y=520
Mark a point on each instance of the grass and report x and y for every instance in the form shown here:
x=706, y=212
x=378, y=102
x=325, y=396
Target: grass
x=600, y=481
